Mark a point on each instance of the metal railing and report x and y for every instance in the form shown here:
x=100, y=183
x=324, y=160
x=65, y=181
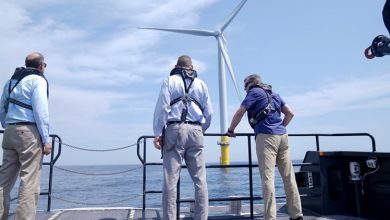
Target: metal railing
x=57, y=144
x=249, y=165
x=53, y=159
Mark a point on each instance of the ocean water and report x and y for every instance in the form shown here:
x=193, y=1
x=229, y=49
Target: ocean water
x=121, y=186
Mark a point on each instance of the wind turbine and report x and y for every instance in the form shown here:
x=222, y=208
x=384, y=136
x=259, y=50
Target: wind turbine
x=223, y=57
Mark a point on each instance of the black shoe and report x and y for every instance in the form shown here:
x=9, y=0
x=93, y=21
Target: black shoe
x=299, y=218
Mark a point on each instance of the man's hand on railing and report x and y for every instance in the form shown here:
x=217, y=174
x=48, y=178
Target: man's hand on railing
x=230, y=133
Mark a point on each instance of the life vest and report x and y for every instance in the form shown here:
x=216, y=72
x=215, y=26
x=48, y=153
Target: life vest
x=186, y=98
x=267, y=110
x=18, y=75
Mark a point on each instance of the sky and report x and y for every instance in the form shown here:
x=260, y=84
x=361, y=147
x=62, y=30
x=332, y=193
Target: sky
x=105, y=74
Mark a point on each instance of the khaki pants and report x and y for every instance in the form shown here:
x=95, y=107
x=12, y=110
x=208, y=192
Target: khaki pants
x=22, y=154
x=274, y=150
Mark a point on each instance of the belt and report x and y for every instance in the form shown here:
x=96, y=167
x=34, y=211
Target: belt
x=185, y=122
x=23, y=123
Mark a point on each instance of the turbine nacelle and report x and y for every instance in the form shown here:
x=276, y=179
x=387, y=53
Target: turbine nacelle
x=217, y=33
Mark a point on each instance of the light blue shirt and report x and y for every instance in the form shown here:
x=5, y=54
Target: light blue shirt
x=31, y=90
x=172, y=88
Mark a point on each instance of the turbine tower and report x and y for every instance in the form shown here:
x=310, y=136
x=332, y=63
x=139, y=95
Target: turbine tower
x=223, y=57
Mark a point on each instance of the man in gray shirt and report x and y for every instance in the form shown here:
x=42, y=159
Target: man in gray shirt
x=182, y=114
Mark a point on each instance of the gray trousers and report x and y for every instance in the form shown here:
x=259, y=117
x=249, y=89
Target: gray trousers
x=22, y=153
x=184, y=141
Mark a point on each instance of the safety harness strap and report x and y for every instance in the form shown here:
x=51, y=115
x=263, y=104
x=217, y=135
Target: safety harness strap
x=21, y=104
x=263, y=113
x=189, y=99
x=185, y=98
x=18, y=75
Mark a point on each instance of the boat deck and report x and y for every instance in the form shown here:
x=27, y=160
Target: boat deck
x=215, y=212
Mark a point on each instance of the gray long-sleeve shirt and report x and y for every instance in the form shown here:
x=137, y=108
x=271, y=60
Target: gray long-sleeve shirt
x=173, y=88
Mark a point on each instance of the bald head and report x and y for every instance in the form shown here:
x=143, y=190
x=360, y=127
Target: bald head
x=34, y=60
x=184, y=61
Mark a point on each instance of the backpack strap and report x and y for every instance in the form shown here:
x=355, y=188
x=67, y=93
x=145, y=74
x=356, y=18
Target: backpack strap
x=18, y=75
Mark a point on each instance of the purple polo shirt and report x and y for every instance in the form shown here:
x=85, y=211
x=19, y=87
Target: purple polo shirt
x=255, y=100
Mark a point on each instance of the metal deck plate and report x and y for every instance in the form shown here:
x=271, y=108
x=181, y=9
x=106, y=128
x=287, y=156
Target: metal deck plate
x=127, y=213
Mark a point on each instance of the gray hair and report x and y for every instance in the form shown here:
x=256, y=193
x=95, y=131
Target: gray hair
x=253, y=78
x=184, y=61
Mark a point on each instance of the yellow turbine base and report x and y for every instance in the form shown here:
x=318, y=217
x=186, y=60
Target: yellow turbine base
x=224, y=159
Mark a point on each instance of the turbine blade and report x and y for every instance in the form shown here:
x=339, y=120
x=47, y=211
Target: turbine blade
x=232, y=15
x=229, y=66
x=182, y=31
x=223, y=41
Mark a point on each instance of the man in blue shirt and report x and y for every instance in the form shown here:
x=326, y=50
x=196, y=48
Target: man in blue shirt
x=182, y=113
x=264, y=109
x=24, y=115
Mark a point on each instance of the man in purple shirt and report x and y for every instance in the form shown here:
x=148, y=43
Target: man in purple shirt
x=264, y=109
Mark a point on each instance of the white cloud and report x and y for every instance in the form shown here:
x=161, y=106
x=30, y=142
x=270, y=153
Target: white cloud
x=80, y=105
x=99, y=47
x=83, y=116
x=12, y=17
x=370, y=92
x=175, y=13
